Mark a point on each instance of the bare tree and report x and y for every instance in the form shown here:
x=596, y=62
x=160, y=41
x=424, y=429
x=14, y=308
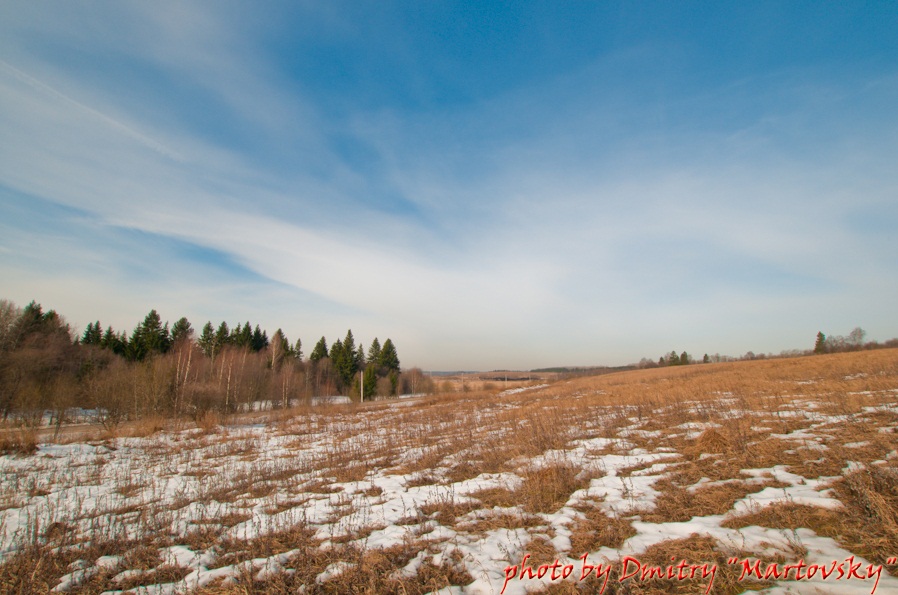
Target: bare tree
x=9, y=314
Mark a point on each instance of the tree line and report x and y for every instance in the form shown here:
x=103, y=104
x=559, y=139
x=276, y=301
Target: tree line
x=157, y=369
x=854, y=341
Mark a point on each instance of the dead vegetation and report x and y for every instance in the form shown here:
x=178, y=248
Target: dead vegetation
x=310, y=490
x=596, y=530
x=678, y=504
x=19, y=441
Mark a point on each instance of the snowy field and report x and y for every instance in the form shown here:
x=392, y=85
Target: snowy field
x=772, y=476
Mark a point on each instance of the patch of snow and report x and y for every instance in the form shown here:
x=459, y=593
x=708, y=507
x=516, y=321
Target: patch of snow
x=522, y=389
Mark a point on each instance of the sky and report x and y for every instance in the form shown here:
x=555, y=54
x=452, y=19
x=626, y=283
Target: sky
x=489, y=184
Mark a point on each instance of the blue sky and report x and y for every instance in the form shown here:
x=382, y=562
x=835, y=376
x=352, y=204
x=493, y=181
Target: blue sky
x=489, y=184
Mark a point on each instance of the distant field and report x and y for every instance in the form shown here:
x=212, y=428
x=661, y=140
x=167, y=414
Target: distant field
x=720, y=466
x=491, y=382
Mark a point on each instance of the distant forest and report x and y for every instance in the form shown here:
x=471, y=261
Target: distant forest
x=854, y=341
x=172, y=371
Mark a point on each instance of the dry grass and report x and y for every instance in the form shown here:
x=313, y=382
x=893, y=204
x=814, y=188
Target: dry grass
x=492, y=520
x=541, y=551
x=543, y=490
x=446, y=510
x=697, y=550
x=678, y=504
x=596, y=530
x=208, y=422
x=141, y=428
x=19, y=441
x=37, y=569
x=711, y=422
x=364, y=571
x=164, y=574
x=870, y=528
x=791, y=516
x=548, y=488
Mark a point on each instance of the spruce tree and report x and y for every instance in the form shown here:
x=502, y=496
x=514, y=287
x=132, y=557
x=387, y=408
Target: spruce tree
x=207, y=339
x=349, y=350
x=181, y=330
x=119, y=343
x=374, y=352
x=297, y=350
x=820, y=345
x=149, y=337
x=369, y=380
x=93, y=334
x=359, y=360
x=109, y=339
x=338, y=361
x=222, y=336
x=235, y=337
x=260, y=339
x=336, y=351
x=388, y=356
x=245, y=336
x=394, y=382
x=136, y=349
x=320, y=350
x=33, y=319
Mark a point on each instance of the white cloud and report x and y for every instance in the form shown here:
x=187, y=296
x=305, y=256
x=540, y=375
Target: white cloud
x=544, y=219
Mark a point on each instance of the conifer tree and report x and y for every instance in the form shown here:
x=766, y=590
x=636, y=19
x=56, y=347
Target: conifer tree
x=394, y=382
x=222, y=336
x=235, y=337
x=297, y=350
x=136, y=347
x=336, y=351
x=359, y=360
x=149, y=337
x=388, y=356
x=93, y=334
x=369, y=381
x=121, y=344
x=32, y=319
x=320, y=350
x=374, y=352
x=181, y=330
x=260, y=339
x=342, y=362
x=349, y=350
x=112, y=341
x=245, y=336
x=207, y=339
x=820, y=345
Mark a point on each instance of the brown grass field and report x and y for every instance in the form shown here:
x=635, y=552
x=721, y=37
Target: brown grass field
x=446, y=491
